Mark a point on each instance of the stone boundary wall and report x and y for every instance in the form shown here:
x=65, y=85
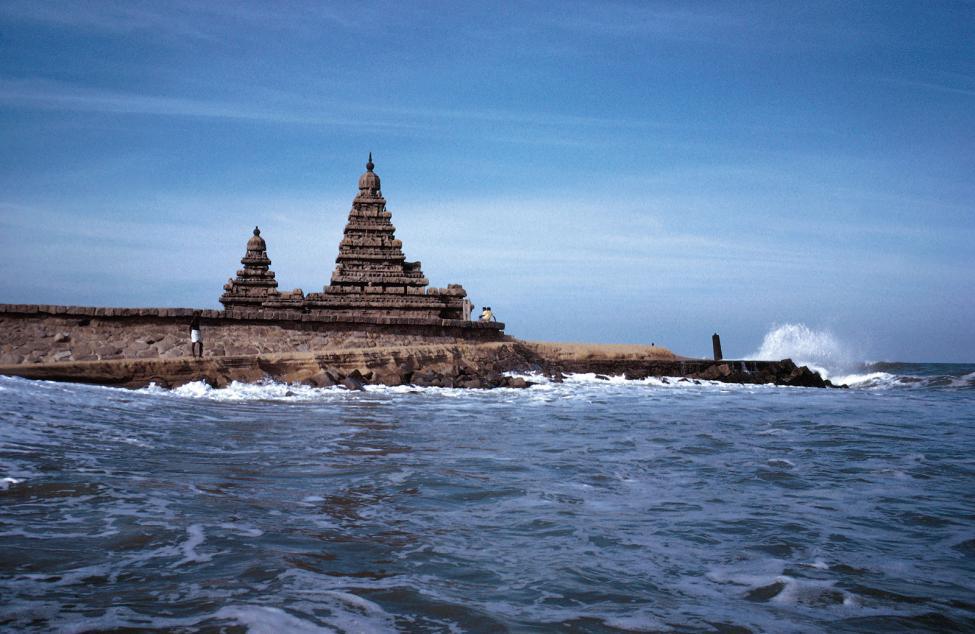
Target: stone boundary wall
x=31, y=333
x=242, y=315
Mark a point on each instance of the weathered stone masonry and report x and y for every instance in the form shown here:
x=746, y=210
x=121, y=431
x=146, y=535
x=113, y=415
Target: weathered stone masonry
x=32, y=333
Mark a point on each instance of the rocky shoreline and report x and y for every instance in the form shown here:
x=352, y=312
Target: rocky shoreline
x=472, y=365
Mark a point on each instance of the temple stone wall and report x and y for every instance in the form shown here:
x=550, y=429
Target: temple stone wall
x=45, y=334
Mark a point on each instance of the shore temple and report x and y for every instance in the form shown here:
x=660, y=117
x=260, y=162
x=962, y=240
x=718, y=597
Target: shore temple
x=377, y=321
x=371, y=276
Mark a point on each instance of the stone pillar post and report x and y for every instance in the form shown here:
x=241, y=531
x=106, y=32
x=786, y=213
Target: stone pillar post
x=716, y=343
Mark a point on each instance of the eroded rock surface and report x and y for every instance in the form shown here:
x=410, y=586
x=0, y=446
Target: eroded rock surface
x=481, y=366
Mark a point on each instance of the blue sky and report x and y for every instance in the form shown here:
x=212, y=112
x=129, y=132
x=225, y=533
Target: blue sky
x=594, y=171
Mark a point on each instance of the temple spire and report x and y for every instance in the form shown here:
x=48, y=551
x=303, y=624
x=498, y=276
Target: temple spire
x=369, y=182
x=255, y=283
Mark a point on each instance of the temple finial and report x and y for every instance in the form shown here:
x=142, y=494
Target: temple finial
x=369, y=165
x=257, y=231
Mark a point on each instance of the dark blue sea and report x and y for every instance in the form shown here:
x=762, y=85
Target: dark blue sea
x=586, y=506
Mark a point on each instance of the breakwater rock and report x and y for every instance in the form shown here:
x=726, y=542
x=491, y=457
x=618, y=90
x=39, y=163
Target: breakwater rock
x=635, y=367
x=474, y=365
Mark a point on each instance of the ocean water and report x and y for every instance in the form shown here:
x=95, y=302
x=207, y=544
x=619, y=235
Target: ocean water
x=586, y=506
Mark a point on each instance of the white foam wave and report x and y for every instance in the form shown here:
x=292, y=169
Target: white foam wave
x=778, y=344
x=965, y=380
x=244, y=530
x=267, y=620
x=641, y=621
x=347, y=616
x=195, y=538
x=352, y=613
x=885, y=380
x=263, y=390
x=6, y=482
x=669, y=382
x=810, y=592
x=116, y=617
x=783, y=589
x=869, y=379
x=578, y=384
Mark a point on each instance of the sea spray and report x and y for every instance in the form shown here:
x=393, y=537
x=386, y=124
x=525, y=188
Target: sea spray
x=818, y=349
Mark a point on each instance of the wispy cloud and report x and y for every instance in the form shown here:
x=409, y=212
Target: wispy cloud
x=927, y=85
x=291, y=109
x=49, y=95
x=680, y=21
x=179, y=19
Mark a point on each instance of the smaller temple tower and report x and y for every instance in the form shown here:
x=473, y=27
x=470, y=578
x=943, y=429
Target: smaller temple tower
x=255, y=283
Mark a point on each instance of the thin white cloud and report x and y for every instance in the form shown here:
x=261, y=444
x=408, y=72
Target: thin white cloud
x=283, y=108
x=59, y=96
x=925, y=85
x=678, y=22
x=179, y=19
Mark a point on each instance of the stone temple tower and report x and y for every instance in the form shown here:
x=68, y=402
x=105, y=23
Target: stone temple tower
x=372, y=276
x=255, y=283
x=255, y=287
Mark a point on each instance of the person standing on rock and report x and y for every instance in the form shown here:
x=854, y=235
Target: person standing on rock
x=196, y=338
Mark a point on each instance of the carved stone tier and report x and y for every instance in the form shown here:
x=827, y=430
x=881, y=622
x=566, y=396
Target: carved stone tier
x=379, y=301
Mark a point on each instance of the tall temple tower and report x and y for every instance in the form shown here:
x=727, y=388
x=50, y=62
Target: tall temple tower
x=371, y=279
x=372, y=276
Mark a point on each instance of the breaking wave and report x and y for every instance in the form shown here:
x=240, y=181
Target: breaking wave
x=822, y=352
x=574, y=386
x=818, y=349
x=835, y=360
